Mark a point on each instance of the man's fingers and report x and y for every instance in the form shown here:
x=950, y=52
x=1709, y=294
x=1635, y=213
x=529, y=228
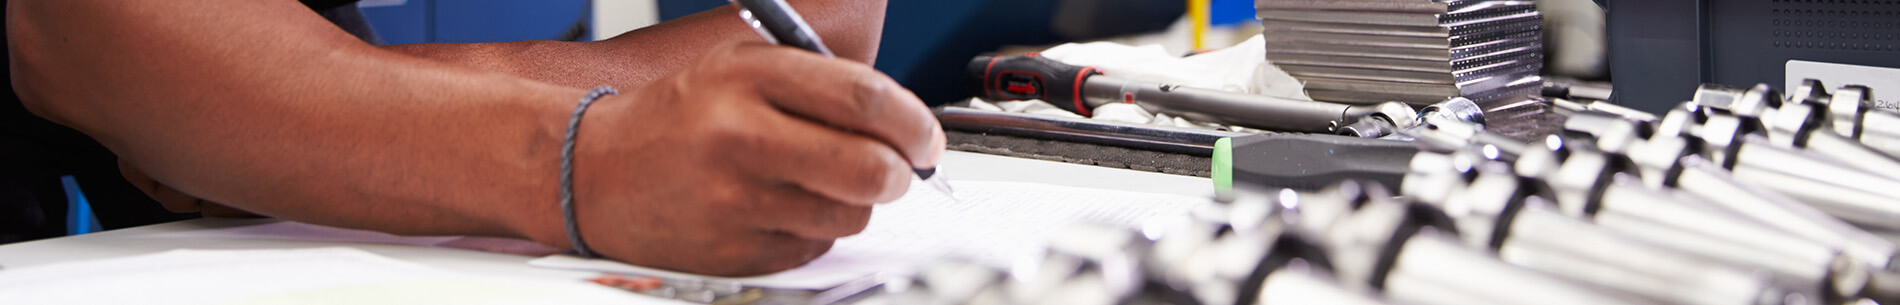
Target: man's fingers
x=809, y=216
x=842, y=94
x=844, y=167
x=769, y=252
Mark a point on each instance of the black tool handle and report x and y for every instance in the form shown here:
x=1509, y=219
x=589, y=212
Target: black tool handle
x=1314, y=161
x=1028, y=77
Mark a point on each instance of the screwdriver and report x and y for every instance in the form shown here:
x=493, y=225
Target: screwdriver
x=1309, y=161
x=1080, y=89
x=1314, y=161
x=779, y=24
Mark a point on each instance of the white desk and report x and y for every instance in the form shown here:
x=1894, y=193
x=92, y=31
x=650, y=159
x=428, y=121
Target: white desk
x=149, y=239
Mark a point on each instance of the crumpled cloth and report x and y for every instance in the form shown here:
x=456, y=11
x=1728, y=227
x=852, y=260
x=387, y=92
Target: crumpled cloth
x=1240, y=68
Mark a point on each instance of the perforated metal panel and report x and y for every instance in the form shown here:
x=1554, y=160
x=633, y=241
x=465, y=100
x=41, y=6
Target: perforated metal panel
x=1660, y=49
x=1863, y=26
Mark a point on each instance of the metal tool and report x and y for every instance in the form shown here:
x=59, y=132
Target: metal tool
x=1735, y=144
x=1230, y=256
x=1080, y=89
x=1319, y=160
x=1411, y=252
x=1839, y=188
x=1438, y=132
x=1836, y=188
x=1671, y=162
x=1191, y=141
x=1498, y=210
x=1881, y=130
x=1242, y=253
x=1802, y=123
x=1568, y=107
x=1668, y=160
x=1701, y=206
x=1745, y=227
x=1600, y=187
x=1084, y=264
x=1312, y=161
x=1852, y=114
x=1586, y=94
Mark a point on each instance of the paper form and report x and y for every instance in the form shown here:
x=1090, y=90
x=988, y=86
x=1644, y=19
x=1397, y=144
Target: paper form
x=299, y=276
x=993, y=222
x=297, y=231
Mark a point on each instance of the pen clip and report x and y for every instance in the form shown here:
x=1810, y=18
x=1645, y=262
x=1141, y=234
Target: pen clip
x=780, y=24
x=753, y=21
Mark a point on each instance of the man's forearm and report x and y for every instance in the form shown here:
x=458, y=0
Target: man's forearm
x=850, y=27
x=265, y=106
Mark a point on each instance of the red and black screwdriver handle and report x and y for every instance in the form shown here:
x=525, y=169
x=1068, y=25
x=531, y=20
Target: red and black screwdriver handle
x=1029, y=77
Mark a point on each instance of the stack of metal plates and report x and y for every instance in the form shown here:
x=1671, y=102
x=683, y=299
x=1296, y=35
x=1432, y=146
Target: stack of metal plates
x=1414, y=51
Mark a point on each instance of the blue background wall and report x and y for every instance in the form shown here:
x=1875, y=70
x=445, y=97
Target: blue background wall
x=925, y=47
x=420, y=21
x=927, y=42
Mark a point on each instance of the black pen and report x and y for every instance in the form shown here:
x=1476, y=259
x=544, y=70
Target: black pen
x=779, y=24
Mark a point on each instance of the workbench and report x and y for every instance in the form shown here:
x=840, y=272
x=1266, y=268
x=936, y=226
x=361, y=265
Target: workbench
x=961, y=166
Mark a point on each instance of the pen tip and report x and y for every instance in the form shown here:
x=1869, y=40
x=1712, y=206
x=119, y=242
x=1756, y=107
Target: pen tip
x=935, y=180
x=942, y=186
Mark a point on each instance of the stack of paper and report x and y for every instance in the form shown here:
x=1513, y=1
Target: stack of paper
x=286, y=276
x=1414, y=51
x=995, y=223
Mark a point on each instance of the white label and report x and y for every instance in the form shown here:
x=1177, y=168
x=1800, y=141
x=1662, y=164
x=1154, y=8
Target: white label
x=1884, y=81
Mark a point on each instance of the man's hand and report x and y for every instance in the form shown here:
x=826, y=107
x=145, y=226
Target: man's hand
x=751, y=161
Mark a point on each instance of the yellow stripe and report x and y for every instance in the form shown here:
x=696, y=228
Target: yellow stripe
x=1198, y=14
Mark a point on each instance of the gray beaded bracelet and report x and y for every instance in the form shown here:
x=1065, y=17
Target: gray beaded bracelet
x=567, y=169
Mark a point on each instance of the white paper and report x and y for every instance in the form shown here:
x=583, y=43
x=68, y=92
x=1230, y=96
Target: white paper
x=297, y=231
x=299, y=276
x=993, y=222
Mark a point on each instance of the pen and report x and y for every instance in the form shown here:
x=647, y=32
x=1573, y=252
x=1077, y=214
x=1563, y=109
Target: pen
x=779, y=24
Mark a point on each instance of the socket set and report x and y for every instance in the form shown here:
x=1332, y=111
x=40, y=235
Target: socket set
x=1740, y=196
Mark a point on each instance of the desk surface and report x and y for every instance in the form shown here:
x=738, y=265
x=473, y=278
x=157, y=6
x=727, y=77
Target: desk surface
x=150, y=239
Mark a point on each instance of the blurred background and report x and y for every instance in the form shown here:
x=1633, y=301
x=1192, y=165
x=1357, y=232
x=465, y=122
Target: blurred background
x=926, y=43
